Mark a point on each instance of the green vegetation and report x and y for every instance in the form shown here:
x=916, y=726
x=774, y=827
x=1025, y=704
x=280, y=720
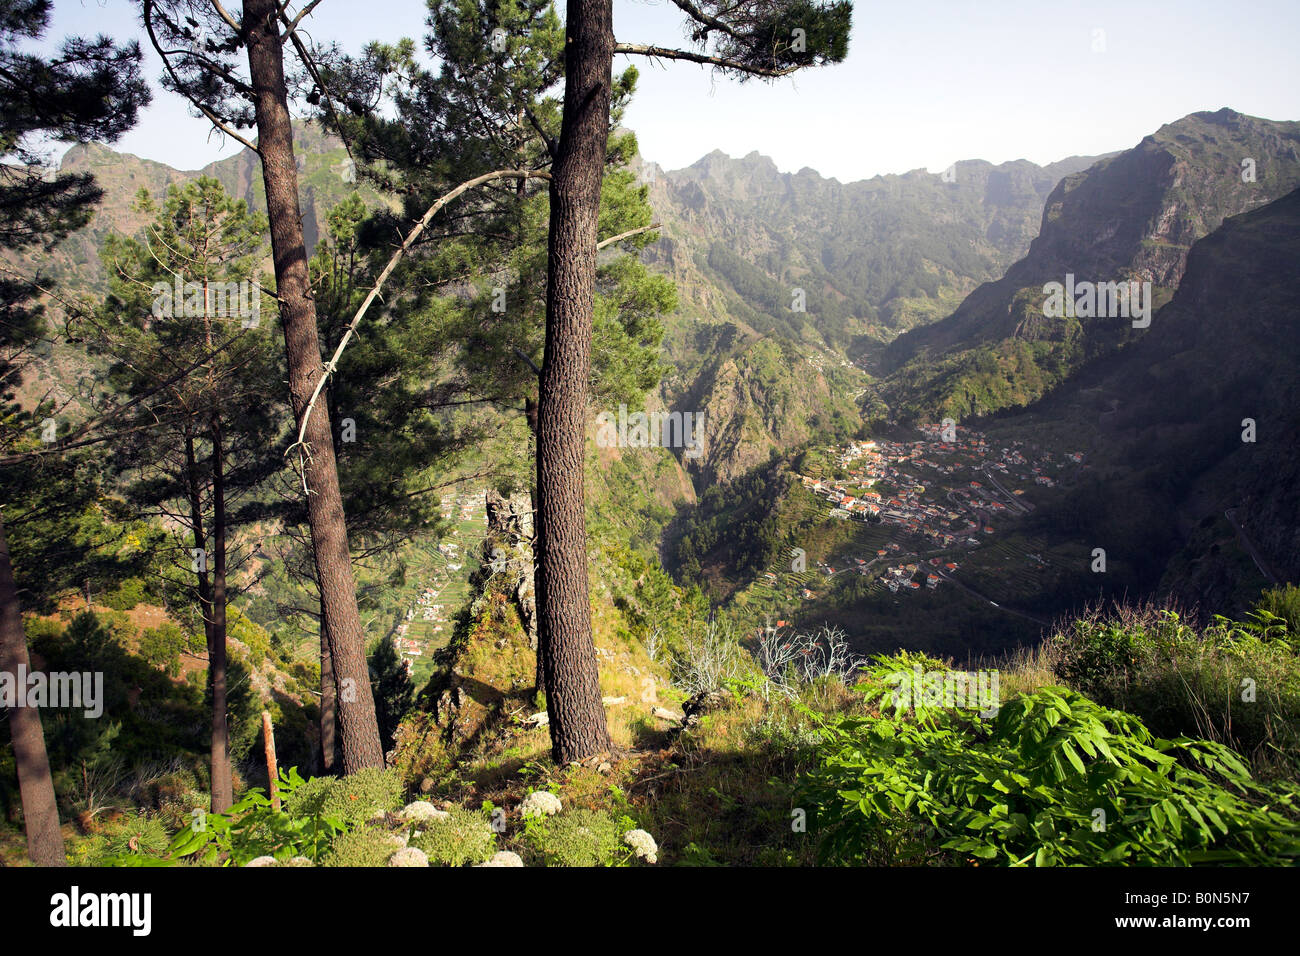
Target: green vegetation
x=736, y=720
x=1106, y=750
x=576, y=838
x=1231, y=682
x=463, y=837
x=1053, y=779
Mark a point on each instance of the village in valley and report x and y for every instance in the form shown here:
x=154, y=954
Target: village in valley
x=898, y=516
x=915, y=516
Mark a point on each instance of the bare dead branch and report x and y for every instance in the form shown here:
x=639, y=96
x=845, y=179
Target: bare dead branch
x=625, y=235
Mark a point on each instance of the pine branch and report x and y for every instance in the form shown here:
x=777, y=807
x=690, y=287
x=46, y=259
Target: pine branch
x=405, y=247
x=642, y=49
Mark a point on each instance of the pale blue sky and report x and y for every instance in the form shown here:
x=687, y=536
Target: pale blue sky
x=925, y=83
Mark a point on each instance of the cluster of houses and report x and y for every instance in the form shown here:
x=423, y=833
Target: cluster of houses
x=470, y=505
x=905, y=577
x=972, y=506
x=425, y=610
x=905, y=508
x=966, y=501
x=406, y=646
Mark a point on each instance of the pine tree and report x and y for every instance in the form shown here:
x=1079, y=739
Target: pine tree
x=183, y=331
x=487, y=107
x=765, y=38
x=201, y=49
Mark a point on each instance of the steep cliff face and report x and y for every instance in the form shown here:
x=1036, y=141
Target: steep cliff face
x=1142, y=210
x=1130, y=217
x=325, y=177
x=760, y=394
x=1201, y=419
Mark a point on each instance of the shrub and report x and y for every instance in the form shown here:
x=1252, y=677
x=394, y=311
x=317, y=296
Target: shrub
x=161, y=646
x=128, y=594
x=351, y=800
x=253, y=828
x=366, y=846
x=1284, y=602
x=1237, y=683
x=577, y=838
x=1052, y=779
x=792, y=661
x=129, y=839
x=465, y=836
x=709, y=657
x=1094, y=652
x=139, y=834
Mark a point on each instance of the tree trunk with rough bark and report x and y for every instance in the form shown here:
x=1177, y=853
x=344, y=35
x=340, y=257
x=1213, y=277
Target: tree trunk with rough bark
x=357, y=726
x=328, y=712
x=223, y=794
x=573, y=700
x=35, y=784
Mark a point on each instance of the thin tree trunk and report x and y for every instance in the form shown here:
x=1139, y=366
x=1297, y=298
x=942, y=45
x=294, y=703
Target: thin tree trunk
x=328, y=703
x=206, y=610
x=218, y=778
x=577, y=719
x=35, y=784
x=222, y=786
x=268, y=748
x=358, y=728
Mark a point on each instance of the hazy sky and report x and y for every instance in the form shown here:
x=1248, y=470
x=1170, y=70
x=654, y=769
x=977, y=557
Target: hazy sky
x=925, y=83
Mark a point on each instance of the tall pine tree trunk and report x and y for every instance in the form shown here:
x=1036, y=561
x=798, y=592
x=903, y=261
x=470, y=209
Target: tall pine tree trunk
x=358, y=728
x=222, y=786
x=577, y=718
x=35, y=785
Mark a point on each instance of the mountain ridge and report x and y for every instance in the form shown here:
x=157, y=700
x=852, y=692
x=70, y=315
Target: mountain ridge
x=1132, y=216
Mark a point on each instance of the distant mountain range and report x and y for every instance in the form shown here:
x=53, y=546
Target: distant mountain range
x=74, y=263
x=873, y=257
x=74, y=269
x=790, y=283
x=1133, y=216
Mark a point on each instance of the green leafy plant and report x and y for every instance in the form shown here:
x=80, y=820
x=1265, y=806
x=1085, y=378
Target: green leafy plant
x=1052, y=779
x=577, y=838
x=365, y=846
x=253, y=828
